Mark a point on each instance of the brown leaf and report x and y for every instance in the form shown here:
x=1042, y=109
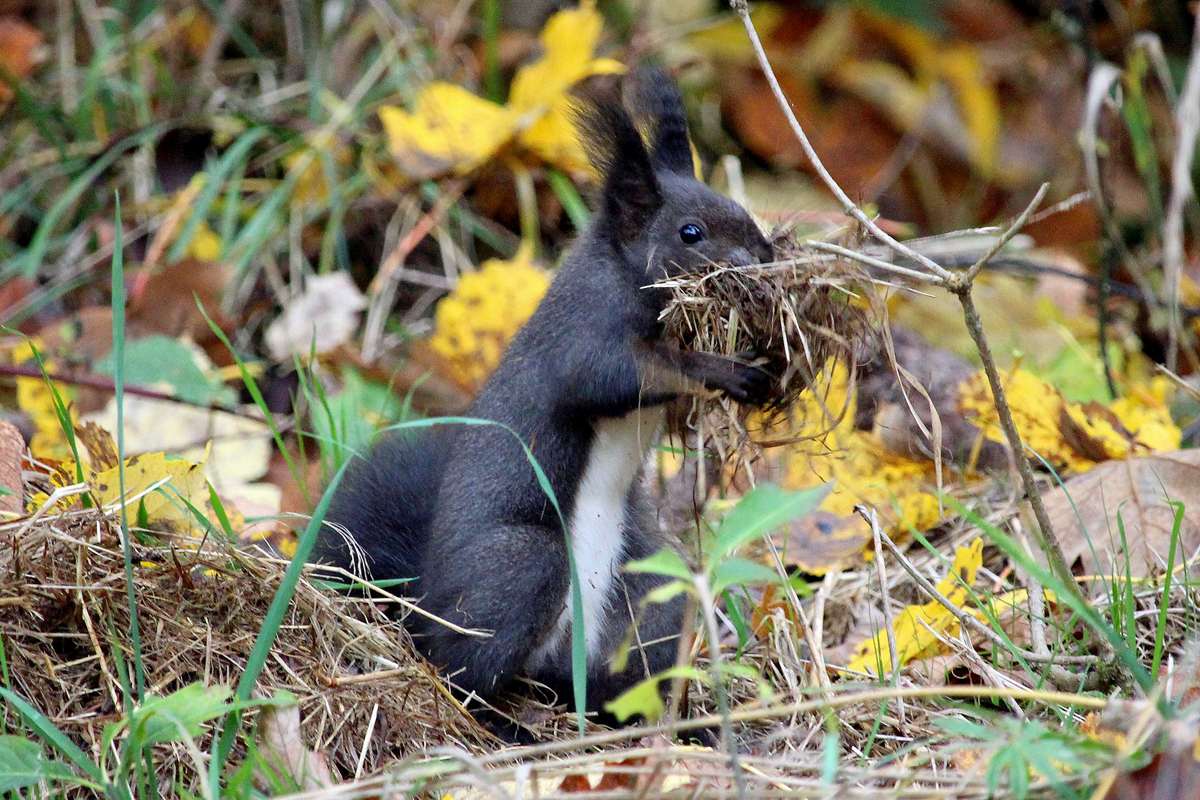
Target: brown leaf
x=822, y=541
x=1140, y=490
x=12, y=445
x=164, y=301
x=283, y=748
x=19, y=46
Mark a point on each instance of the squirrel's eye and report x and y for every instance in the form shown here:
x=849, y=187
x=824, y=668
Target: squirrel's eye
x=690, y=233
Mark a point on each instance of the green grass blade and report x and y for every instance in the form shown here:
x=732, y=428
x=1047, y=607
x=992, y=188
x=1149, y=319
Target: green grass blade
x=260, y=401
x=568, y=195
x=231, y=159
x=50, y=732
x=1064, y=593
x=37, y=247
x=1161, y=627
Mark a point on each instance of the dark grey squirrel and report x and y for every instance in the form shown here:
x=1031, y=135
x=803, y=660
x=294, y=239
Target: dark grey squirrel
x=584, y=383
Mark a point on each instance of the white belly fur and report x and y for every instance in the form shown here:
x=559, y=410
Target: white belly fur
x=597, y=523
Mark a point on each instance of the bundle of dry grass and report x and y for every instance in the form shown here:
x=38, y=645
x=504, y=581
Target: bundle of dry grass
x=794, y=316
x=364, y=698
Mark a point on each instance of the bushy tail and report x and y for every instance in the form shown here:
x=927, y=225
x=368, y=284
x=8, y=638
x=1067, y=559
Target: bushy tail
x=383, y=509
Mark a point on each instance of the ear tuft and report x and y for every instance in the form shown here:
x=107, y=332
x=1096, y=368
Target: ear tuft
x=631, y=191
x=658, y=103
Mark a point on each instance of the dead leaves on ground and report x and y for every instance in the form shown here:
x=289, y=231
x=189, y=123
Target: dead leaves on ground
x=1129, y=508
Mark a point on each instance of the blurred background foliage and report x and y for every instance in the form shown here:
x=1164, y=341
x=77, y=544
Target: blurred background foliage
x=369, y=197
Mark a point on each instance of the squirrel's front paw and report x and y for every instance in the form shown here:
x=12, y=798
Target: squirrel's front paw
x=749, y=385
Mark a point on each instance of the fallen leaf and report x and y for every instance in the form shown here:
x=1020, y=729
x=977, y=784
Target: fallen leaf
x=1084, y=512
x=539, y=89
x=912, y=636
x=1074, y=436
x=20, y=44
x=281, y=745
x=859, y=467
x=156, y=488
x=172, y=365
x=235, y=449
x=449, y=130
x=165, y=300
x=323, y=317
x=12, y=446
x=475, y=322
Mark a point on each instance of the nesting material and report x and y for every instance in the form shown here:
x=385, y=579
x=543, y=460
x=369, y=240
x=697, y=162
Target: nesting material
x=793, y=316
x=365, y=699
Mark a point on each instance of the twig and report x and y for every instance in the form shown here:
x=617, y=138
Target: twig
x=1046, y=539
x=959, y=284
x=106, y=384
x=836, y=701
x=1187, y=124
x=970, y=621
x=872, y=519
x=965, y=278
x=707, y=602
x=742, y=10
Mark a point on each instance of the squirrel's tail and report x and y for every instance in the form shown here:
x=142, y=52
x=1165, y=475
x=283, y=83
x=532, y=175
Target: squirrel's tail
x=383, y=509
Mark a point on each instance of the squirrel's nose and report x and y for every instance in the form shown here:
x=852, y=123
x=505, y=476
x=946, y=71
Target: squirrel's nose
x=741, y=257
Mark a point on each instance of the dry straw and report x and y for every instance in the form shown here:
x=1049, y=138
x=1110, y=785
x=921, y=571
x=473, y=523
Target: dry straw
x=793, y=318
x=365, y=700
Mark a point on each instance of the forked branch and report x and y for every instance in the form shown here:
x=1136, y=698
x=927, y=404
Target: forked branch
x=959, y=283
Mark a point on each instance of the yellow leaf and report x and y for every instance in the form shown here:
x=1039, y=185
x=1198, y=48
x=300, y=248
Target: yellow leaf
x=313, y=178
x=914, y=627
x=861, y=468
x=539, y=90
x=205, y=244
x=1074, y=436
x=156, y=484
x=449, y=130
x=726, y=40
x=36, y=399
x=475, y=322
x=959, y=65
x=568, y=43
x=932, y=61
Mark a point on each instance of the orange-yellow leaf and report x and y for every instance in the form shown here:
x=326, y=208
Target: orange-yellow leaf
x=449, y=130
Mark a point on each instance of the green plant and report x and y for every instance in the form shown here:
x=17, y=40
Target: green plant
x=177, y=717
x=756, y=514
x=1021, y=748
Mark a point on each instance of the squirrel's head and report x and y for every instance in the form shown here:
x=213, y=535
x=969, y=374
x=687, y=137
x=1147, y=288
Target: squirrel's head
x=658, y=216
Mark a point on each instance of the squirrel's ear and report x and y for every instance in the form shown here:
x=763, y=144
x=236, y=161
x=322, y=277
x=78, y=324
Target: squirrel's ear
x=631, y=191
x=657, y=101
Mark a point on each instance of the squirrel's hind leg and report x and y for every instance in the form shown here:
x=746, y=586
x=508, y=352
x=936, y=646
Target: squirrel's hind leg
x=511, y=583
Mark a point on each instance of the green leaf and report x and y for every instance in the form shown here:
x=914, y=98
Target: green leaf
x=179, y=714
x=761, y=511
x=740, y=572
x=22, y=764
x=667, y=592
x=645, y=699
x=664, y=562
x=51, y=734
x=161, y=359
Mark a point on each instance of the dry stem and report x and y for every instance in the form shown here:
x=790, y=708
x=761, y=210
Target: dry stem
x=959, y=284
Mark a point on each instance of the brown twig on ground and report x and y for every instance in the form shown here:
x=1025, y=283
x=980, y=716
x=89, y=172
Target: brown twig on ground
x=106, y=384
x=960, y=284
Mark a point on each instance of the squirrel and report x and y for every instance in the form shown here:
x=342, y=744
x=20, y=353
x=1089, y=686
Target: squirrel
x=584, y=384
